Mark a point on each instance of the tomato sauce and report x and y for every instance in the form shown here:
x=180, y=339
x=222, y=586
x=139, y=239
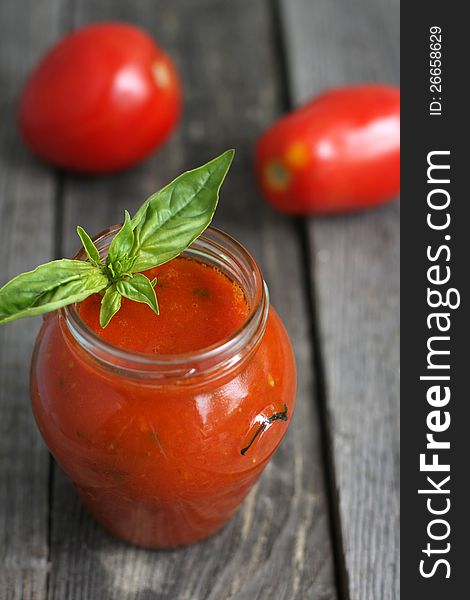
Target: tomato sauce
x=199, y=306
x=164, y=462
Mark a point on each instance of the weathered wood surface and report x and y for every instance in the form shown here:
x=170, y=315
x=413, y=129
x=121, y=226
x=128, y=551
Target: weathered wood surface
x=355, y=280
x=26, y=235
x=279, y=545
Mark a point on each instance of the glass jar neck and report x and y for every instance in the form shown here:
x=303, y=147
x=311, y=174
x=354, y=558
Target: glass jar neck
x=216, y=249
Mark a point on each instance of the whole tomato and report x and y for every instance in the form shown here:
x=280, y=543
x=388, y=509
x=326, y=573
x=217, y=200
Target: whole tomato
x=338, y=152
x=101, y=99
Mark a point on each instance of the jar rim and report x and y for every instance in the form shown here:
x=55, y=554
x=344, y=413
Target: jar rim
x=219, y=356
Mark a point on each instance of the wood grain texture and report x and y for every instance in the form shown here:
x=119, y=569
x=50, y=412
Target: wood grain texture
x=355, y=277
x=26, y=236
x=278, y=545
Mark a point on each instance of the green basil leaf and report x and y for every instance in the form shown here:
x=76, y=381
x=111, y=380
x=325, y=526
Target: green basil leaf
x=139, y=288
x=121, y=245
x=110, y=304
x=170, y=220
x=90, y=248
x=49, y=287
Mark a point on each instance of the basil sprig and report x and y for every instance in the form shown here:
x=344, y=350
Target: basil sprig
x=164, y=226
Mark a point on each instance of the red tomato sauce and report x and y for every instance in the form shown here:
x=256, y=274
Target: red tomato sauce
x=164, y=463
x=199, y=306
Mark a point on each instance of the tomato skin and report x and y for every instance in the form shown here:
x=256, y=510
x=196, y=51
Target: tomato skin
x=100, y=100
x=339, y=152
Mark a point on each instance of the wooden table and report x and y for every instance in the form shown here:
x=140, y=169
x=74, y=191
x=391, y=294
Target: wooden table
x=323, y=521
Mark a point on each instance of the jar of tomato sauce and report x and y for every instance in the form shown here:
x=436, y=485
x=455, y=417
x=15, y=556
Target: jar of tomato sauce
x=162, y=448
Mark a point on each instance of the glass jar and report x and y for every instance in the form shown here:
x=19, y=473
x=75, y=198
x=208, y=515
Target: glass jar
x=162, y=449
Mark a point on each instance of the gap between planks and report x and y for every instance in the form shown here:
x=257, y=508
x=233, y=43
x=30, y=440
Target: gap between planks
x=306, y=250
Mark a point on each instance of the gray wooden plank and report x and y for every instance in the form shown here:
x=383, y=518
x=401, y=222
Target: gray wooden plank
x=278, y=545
x=355, y=275
x=27, y=192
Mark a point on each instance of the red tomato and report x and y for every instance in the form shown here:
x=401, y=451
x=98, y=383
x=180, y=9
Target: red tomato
x=101, y=100
x=338, y=152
